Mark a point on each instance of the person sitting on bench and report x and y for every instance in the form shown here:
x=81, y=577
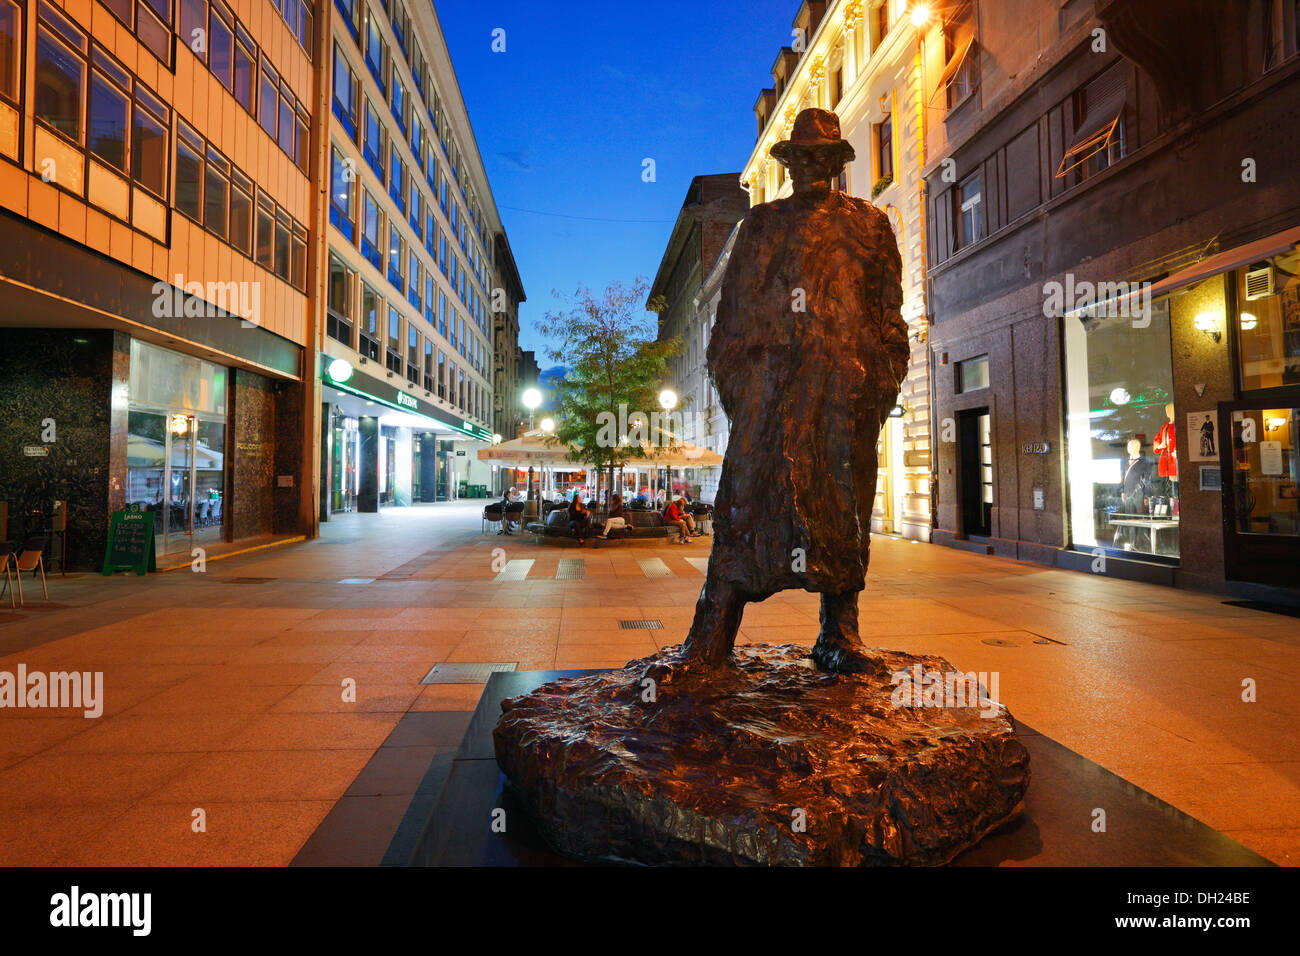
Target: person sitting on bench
x=579, y=519
x=616, y=518
x=676, y=514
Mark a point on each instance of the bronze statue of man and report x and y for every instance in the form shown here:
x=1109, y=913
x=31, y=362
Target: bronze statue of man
x=807, y=355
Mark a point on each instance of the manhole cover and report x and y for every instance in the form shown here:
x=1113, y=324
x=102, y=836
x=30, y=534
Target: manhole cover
x=998, y=642
x=472, y=673
x=641, y=625
x=571, y=568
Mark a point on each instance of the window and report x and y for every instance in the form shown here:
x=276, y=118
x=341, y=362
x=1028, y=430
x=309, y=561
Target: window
x=442, y=376
x=417, y=141
x=268, y=103
x=345, y=93
x=374, y=149
x=216, y=194
x=413, y=354
x=442, y=252
x=371, y=303
x=393, y=358
x=265, y=238
x=298, y=256
x=397, y=176
x=973, y=374
x=11, y=40
x=372, y=227
x=60, y=74
x=301, y=137
x=399, y=103
x=428, y=366
x=1281, y=32
x=190, y=150
x=283, y=254
x=417, y=211
x=1268, y=323
x=342, y=176
x=339, y=305
x=151, y=24
x=150, y=120
x=960, y=76
x=968, y=213
x=1098, y=115
x=376, y=51
x=884, y=152
x=396, y=251
x=413, y=284
x=442, y=314
x=245, y=57
x=401, y=24
x=221, y=43
x=285, y=125
x=192, y=27
x=107, y=117
x=1122, y=463
x=351, y=10
x=241, y=212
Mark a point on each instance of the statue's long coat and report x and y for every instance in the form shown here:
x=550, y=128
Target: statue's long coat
x=806, y=391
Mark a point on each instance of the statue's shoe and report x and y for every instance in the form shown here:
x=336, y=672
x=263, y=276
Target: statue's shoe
x=841, y=658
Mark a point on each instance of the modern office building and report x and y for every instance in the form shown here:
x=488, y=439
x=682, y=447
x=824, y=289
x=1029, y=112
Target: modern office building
x=705, y=224
x=860, y=59
x=408, y=354
x=156, y=204
x=1113, y=217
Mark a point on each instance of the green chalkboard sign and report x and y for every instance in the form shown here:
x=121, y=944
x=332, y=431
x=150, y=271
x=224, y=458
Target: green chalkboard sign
x=130, y=542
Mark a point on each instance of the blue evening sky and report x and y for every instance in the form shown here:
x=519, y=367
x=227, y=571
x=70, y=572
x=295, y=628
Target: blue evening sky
x=582, y=95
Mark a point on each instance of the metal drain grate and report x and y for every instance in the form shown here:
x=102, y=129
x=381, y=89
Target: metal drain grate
x=516, y=570
x=646, y=625
x=571, y=568
x=998, y=642
x=473, y=673
x=655, y=568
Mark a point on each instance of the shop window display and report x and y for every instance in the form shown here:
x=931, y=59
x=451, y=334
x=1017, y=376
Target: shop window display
x=1122, y=436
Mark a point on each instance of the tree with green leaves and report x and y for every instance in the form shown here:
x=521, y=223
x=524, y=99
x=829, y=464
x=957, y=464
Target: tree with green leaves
x=613, y=358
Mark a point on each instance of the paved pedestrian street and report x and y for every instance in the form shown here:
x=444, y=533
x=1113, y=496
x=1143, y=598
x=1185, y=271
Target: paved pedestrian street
x=228, y=735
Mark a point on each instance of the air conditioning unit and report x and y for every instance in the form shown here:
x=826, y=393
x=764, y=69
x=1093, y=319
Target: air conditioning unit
x=1259, y=281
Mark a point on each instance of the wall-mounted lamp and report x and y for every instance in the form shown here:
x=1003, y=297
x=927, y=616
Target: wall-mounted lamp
x=1273, y=424
x=1208, y=323
x=920, y=14
x=1248, y=321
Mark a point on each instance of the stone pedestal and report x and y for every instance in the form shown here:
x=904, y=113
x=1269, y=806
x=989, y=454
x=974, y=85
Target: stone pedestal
x=766, y=760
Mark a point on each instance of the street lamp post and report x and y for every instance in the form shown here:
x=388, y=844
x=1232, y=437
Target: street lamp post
x=668, y=401
x=531, y=399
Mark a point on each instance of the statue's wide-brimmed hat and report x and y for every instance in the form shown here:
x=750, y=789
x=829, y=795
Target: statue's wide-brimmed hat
x=817, y=131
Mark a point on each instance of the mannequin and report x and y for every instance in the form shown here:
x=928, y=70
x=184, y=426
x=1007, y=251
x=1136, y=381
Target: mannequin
x=1166, y=447
x=1135, y=490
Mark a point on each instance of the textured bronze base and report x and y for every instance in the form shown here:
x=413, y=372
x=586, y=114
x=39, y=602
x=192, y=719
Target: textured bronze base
x=765, y=760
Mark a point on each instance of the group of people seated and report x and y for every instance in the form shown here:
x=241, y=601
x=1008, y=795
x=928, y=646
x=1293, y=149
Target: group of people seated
x=675, y=513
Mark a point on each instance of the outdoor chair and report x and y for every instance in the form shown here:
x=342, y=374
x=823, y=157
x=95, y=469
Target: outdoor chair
x=491, y=516
x=6, y=558
x=30, y=558
x=514, y=515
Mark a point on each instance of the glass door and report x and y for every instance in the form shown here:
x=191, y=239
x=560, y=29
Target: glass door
x=178, y=483
x=1261, y=490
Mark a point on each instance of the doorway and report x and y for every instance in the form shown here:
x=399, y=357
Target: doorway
x=975, y=466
